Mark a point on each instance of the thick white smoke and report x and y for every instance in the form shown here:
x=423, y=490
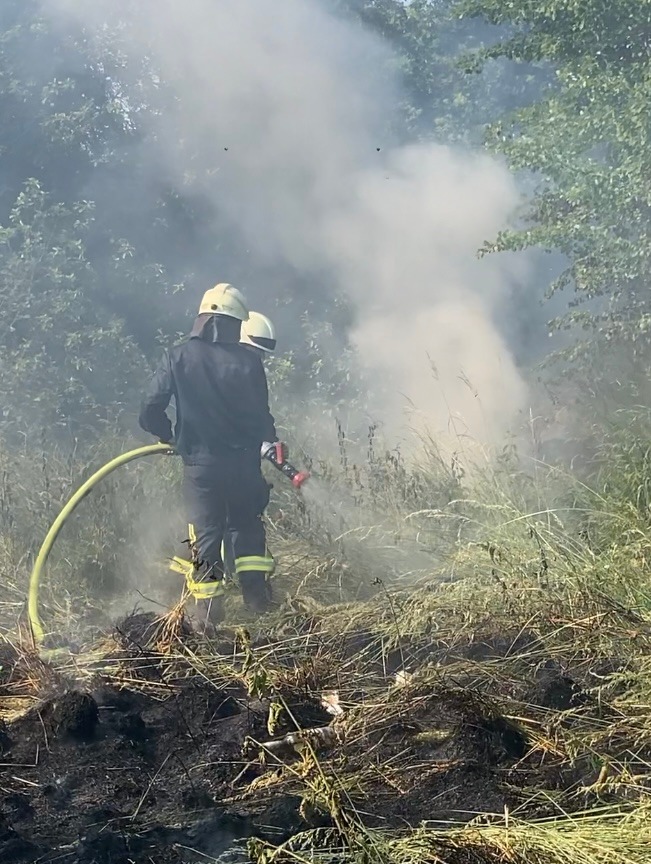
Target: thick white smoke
x=289, y=104
x=405, y=245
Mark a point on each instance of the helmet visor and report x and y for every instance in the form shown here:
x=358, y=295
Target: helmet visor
x=262, y=342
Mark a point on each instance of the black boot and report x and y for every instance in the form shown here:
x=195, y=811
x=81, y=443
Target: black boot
x=256, y=591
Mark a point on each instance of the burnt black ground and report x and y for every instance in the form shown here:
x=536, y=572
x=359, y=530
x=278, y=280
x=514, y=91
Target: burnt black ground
x=155, y=770
x=115, y=775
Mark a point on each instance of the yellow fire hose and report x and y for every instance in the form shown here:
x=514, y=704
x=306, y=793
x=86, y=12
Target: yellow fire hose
x=57, y=525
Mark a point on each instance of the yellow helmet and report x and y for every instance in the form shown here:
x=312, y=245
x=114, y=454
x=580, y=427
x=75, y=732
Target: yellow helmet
x=223, y=299
x=259, y=332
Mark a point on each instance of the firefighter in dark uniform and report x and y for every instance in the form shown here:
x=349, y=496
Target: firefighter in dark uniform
x=222, y=418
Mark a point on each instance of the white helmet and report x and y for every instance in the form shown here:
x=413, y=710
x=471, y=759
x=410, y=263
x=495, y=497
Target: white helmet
x=259, y=332
x=223, y=299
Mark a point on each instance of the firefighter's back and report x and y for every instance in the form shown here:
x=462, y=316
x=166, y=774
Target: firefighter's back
x=221, y=398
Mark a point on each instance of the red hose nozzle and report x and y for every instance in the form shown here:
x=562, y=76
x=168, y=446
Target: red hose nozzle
x=300, y=478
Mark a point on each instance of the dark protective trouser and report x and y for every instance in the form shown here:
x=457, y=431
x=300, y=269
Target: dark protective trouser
x=228, y=552
x=229, y=496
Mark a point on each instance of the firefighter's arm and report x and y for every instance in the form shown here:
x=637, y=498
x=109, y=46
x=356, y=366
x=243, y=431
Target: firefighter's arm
x=153, y=418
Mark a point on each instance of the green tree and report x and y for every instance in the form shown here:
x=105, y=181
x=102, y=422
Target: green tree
x=103, y=253
x=429, y=39
x=588, y=141
x=64, y=364
x=68, y=126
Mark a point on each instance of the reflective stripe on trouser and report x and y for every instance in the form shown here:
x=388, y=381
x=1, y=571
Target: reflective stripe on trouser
x=255, y=564
x=200, y=590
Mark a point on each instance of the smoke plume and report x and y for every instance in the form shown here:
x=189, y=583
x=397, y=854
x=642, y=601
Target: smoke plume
x=281, y=112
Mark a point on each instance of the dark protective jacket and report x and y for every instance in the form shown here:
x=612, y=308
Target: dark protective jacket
x=221, y=397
